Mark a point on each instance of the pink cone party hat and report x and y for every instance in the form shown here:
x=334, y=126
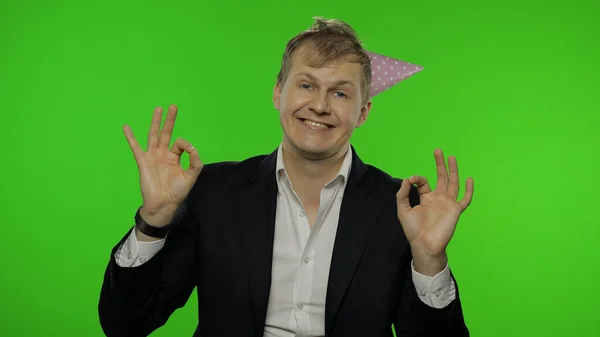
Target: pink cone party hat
x=387, y=72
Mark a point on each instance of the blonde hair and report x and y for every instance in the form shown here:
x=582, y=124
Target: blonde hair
x=331, y=40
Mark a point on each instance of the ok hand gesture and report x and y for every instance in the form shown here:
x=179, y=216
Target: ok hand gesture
x=430, y=225
x=164, y=182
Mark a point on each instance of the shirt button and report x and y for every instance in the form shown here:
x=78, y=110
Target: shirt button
x=142, y=259
x=300, y=306
x=301, y=214
x=306, y=259
x=423, y=292
x=437, y=293
x=129, y=256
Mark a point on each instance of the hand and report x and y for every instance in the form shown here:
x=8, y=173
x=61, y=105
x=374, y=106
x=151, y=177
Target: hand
x=164, y=182
x=430, y=225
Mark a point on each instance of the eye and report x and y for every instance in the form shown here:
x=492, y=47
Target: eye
x=340, y=94
x=305, y=86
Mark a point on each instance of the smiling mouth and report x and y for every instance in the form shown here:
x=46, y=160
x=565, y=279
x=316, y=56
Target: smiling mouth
x=314, y=124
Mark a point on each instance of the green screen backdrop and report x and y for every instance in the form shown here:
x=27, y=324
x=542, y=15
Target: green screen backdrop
x=509, y=87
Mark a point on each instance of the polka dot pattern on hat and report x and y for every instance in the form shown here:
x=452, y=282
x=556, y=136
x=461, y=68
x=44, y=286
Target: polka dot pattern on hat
x=387, y=72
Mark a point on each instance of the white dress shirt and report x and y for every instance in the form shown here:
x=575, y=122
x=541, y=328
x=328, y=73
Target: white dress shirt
x=301, y=259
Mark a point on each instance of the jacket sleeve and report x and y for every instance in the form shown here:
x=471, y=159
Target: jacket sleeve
x=135, y=301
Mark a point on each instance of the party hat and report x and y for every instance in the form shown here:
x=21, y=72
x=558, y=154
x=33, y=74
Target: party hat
x=387, y=72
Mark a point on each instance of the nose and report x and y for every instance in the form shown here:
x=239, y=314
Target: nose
x=320, y=104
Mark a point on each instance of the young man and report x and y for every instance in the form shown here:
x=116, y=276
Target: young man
x=306, y=241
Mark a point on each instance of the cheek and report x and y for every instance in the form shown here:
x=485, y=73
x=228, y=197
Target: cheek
x=293, y=103
x=350, y=120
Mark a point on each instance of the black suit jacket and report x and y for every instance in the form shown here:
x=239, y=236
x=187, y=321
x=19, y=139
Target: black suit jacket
x=222, y=243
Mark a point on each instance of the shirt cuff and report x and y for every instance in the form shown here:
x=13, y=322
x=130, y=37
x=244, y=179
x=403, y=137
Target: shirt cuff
x=437, y=291
x=134, y=253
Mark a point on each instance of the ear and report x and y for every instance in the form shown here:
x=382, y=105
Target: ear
x=277, y=96
x=364, y=113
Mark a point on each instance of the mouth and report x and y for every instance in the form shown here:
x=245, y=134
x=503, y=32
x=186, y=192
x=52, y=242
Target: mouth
x=315, y=125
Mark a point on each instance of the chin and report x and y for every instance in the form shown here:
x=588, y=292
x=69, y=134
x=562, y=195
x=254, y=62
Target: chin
x=313, y=150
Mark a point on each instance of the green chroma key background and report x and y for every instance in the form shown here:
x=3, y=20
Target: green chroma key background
x=511, y=88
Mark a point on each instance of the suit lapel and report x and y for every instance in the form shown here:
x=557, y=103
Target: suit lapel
x=358, y=216
x=258, y=202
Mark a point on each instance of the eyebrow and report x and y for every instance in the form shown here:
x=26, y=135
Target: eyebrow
x=312, y=78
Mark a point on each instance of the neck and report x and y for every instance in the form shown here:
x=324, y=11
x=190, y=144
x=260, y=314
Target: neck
x=311, y=173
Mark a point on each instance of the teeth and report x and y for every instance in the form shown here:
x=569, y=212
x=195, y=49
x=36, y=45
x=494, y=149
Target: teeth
x=319, y=125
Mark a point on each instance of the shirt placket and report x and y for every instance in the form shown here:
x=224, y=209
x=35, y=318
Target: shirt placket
x=305, y=276
x=306, y=241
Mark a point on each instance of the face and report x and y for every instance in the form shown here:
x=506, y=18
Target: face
x=319, y=108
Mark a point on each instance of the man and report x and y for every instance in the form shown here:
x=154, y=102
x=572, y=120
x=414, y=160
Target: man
x=306, y=241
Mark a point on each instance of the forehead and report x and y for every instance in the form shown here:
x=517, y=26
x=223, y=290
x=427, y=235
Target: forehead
x=306, y=60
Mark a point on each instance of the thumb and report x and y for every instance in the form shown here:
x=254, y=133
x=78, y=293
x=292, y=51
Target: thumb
x=195, y=164
x=402, y=198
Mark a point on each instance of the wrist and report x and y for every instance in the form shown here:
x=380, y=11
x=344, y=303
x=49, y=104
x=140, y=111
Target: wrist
x=158, y=218
x=429, y=264
x=147, y=232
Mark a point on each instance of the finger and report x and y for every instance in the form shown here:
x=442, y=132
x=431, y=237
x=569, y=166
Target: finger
x=422, y=184
x=402, y=198
x=453, y=184
x=442, y=172
x=155, y=127
x=180, y=146
x=133, y=144
x=165, y=134
x=196, y=164
x=466, y=200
